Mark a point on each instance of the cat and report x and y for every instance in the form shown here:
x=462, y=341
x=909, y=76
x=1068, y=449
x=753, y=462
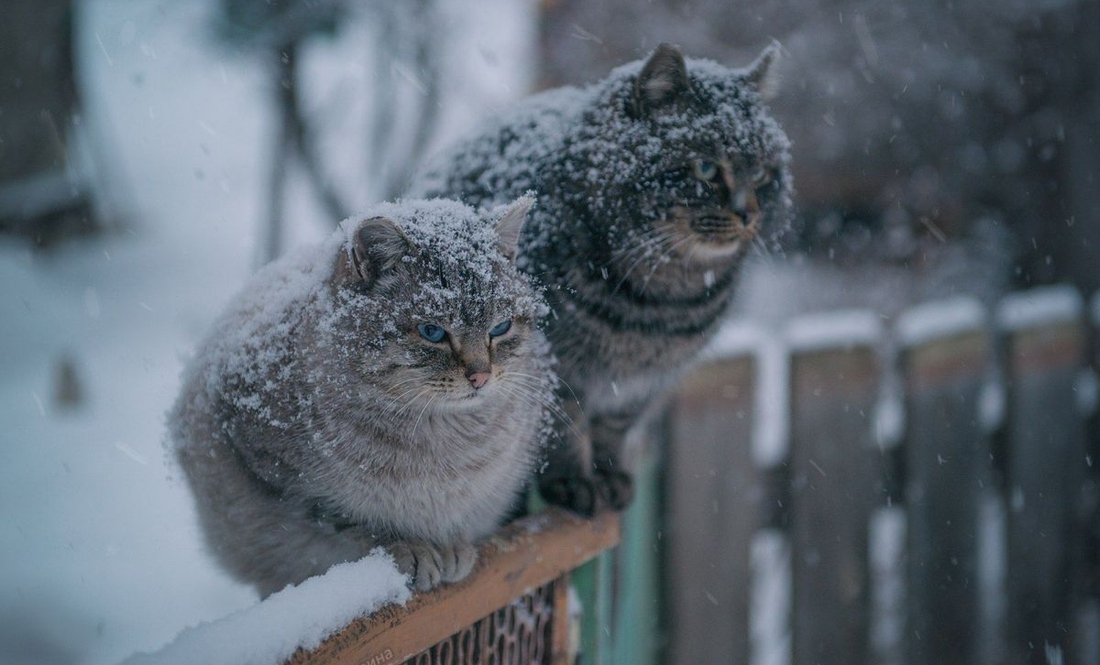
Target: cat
x=387, y=388
x=654, y=183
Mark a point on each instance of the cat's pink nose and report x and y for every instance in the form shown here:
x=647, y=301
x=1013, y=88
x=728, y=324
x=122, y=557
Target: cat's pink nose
x=478, y=379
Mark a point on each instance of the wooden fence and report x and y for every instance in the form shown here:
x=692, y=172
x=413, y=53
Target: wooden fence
x=513, y=608
x=849, y=490
x=846, y=490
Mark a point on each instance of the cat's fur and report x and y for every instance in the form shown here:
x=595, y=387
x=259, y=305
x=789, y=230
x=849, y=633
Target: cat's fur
x=639, y=255
x=316, y=423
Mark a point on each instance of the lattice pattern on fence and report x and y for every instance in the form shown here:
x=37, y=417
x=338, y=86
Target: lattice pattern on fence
x=516, y=634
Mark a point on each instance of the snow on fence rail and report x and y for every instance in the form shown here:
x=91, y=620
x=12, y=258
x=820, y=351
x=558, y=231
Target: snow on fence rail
x=974, y=539
x=513, y=608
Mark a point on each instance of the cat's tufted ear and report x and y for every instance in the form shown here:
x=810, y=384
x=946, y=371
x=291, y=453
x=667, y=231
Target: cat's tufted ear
x=510, y=225
x=763, y=73
x=662, y=80
x=376, y=246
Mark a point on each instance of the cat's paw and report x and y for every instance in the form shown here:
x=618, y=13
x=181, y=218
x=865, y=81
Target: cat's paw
x=615, y=488
x=429, y=565
x=458, y=560
x=574, y=493
x=421, y=561
x=588, y=495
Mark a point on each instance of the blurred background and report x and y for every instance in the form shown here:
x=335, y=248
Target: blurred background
x=153, y=154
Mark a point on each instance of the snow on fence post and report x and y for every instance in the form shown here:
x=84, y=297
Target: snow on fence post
x=712, y=500
x=835, y=482
x=1046, y=467
x=945, y=360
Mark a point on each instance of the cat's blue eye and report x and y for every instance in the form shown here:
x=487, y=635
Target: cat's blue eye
x=501, y=328
x=431, y=332
x=704, y=169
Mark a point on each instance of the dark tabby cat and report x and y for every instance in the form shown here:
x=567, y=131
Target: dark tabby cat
x=653, y=184
x=386, y=389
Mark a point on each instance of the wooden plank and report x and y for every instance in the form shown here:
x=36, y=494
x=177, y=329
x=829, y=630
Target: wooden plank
x=948, y=473
x=637, y=611
x=523, y=556
x=594, y=586
x=560, y=638
x=711, y=514
x=833, y=491
x=1046, y=469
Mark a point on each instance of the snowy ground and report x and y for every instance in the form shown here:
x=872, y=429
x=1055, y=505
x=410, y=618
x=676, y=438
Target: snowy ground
x=99, y=552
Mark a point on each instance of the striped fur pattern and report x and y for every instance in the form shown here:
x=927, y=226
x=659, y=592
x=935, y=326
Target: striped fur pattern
x=653, y=185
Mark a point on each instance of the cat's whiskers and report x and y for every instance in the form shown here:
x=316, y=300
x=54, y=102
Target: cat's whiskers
x=537, y=400
x=657, y=264
x=646, y=249
x=534, y=392
x=421, y=416
x=542, y=379
x=397, y=415
x=395, y=400
x=762, y=250
x=642, y=243
x=544, y=399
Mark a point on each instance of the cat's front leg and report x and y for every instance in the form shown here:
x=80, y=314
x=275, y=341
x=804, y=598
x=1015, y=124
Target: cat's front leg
x=566, y=479
x=428, y=564
x=584, y=472
x=614, y=482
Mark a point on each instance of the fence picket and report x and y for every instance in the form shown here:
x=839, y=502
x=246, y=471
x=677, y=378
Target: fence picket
x=1046, y=470
x=834, y=390
x=711, y=514
x=948, y=473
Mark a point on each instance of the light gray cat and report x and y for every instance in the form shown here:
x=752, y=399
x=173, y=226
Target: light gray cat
x=654, y=183
x=387, y=388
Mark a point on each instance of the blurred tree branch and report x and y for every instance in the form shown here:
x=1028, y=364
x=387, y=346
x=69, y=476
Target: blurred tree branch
x=405, y=32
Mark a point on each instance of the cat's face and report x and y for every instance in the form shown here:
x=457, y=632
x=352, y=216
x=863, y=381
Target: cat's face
x=702, y=167
x=442, y=319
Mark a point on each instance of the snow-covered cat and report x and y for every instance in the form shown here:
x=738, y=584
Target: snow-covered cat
x=387, y=388
x=653, y=184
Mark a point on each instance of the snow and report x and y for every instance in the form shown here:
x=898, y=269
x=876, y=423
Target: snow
x=841, y=329
x=889, y=417
x=770, y=599
x=887, y=553
x=1039, y=306
x=298, y=616
x=1086, y=390
x=940, y=319
x=734, y=339
x=992, y=405
x=100, y=552
x=771, y=440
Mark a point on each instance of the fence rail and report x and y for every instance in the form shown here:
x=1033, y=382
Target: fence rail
x=513, y=607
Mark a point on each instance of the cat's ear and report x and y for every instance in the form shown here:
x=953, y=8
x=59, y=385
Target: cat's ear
x=377, y=244
x=662, y=80
x=510, y=224
x=763, y=73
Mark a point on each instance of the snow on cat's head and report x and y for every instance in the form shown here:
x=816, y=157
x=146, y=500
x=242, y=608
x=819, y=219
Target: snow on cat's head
x=698, y=156
x=428, y=303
